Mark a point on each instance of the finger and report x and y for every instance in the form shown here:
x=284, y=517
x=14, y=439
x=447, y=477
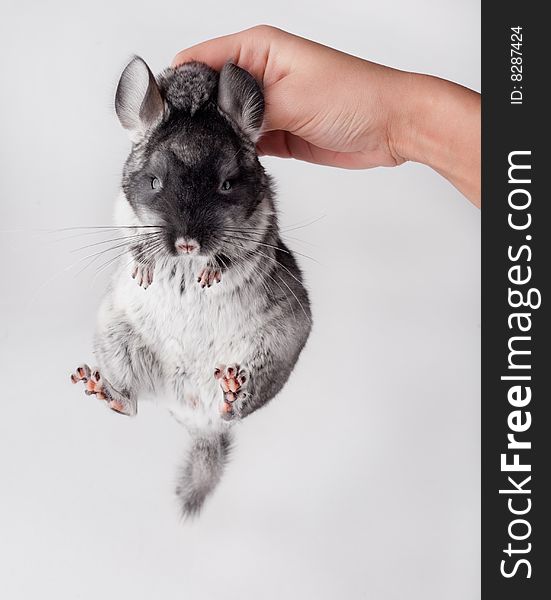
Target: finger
x=286, y=145
x=249, y=49
x=214, y=52
x=263, y=52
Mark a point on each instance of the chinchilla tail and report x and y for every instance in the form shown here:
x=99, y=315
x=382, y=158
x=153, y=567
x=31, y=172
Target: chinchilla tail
x=202, y=470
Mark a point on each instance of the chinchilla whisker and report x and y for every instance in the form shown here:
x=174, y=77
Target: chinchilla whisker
x=257, y=267
x=248, y=229
x=297, y=226
x=257, y=251
x=255, y=270
x=145, y=253
x=106, y=264
x=55, y=276
x=96, y=255
x=249, y=239
x=219, y=258
x=97, y=227
x=277, y=248
x=129, y=263
x=138, y=236
x=261, y=233
x=94, y=232
x=50, y=230
x=298, y=240
x=284, y=282
x=153, y=252
x=68, y=268
x=106, y=250
x=295, y=296
x=155, y=245
x=82, y=234
x=94, y=258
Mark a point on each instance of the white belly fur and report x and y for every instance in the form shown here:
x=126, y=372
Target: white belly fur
x=190, y=333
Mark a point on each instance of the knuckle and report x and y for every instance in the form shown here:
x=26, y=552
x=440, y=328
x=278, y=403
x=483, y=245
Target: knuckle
x=266, y=30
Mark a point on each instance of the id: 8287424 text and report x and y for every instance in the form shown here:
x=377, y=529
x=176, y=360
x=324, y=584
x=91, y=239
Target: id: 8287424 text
x=516, y=96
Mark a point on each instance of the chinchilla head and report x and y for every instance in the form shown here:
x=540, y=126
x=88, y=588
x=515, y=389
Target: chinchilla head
x=193, y=170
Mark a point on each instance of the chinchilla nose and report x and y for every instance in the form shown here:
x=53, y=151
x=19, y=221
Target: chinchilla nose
x=186, y=246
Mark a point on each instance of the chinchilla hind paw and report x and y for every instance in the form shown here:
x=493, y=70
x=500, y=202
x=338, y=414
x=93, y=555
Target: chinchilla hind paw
x=96, y=385
x=233, y=380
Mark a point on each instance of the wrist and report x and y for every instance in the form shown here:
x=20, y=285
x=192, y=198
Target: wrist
x=437, y=123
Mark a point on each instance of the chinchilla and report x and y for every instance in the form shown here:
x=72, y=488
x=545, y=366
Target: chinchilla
x=207, y=309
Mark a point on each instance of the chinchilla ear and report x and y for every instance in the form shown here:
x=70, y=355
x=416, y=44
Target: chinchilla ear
x=138, y=101
x=240, y=96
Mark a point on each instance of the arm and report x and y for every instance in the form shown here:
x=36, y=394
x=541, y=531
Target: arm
x=328, y=107
x=440, y=127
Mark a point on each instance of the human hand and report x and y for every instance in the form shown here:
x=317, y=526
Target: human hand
x=331, y=108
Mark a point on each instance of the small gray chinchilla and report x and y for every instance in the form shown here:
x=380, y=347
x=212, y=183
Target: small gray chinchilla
x=207, y=308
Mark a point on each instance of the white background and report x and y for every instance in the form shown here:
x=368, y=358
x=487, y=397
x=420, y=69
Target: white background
x=361, y=480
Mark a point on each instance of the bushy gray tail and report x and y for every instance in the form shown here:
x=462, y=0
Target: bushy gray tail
x=202, y=471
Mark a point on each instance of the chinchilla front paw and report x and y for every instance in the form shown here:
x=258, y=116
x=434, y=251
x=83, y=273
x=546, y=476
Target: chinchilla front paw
x=143, y=274
x=208, y=276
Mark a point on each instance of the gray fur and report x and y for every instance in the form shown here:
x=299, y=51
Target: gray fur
x=240, y=96
x=170, y=338
x=202, y=471
x=189, y=87
x=138, y=101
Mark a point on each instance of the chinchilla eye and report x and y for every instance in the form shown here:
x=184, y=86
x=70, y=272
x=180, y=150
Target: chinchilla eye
x=155, y=183
x=226, y=185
